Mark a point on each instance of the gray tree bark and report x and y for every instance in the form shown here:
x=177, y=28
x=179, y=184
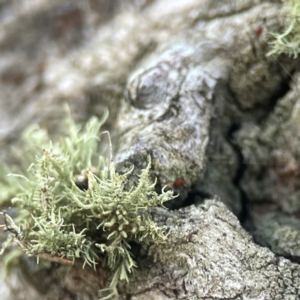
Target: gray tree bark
x=189, y=83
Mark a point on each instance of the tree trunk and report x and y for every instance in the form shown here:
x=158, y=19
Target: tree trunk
x=190, y=83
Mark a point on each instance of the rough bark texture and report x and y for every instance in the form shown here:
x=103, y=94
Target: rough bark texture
x=189, y=83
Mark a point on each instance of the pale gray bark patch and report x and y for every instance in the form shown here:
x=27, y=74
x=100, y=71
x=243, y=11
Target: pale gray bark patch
x=184, y=99
x=210, y=256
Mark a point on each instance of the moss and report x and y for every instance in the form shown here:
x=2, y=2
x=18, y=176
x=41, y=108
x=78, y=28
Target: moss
x=74, y=206
x=288, y=42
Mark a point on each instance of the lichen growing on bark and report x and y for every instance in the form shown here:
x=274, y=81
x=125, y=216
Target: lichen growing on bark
x=74, y=206
x=288, y=42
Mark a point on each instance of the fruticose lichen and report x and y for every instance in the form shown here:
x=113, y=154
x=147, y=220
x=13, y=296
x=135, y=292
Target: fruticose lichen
x=74, y=206
x=288, y=42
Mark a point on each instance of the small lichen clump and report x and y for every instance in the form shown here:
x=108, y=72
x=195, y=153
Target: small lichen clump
x=73, y=205
x=288, y=42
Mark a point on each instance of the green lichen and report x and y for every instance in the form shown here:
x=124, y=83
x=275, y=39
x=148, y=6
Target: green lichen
x=74, y=206
x=288, y=42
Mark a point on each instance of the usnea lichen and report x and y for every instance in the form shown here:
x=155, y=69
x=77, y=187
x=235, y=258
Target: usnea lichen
x=288, y=42
x=74, y=206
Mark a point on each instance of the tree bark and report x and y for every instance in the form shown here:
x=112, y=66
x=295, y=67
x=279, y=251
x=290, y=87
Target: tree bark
x=190, y=83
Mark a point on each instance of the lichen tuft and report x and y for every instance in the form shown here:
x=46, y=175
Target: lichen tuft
x=74, y=206
x=288, y=42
